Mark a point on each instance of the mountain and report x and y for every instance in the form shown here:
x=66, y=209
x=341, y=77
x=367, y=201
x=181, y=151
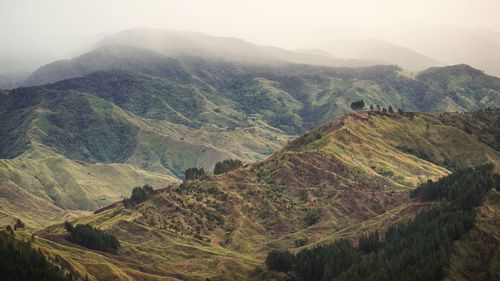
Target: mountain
x=471, y=45
x=12, y=80
x=192, y=97
x=161, y=115
x=123, y=50
x=378, y=85
x=347, y=177
x=383, y=52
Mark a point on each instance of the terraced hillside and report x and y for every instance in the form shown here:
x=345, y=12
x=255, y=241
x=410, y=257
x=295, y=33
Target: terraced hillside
x=349, y=176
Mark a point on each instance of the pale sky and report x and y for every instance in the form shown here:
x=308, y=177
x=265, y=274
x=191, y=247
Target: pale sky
x=56, y=27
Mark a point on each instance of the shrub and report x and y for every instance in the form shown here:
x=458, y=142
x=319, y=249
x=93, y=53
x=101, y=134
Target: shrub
x=92, y=238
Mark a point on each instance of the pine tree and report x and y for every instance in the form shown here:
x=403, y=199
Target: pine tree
x=358, y=105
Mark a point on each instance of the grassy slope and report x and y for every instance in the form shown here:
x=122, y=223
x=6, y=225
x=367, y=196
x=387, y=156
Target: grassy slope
x=92, y=128
x=198, y=112
x=476, y=256
x=44, y=182
x=40, y=186
x=353, y=176
x=161, y=116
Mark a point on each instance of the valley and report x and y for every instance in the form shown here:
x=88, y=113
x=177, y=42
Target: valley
x=171, y=155
x=350, y=176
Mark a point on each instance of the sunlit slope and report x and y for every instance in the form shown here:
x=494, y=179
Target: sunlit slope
x=147, y=253
x=92, y=127
x=40, y=186
x=349, y=176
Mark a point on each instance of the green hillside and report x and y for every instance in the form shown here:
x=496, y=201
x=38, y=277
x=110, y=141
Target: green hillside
x=42, y=188
x=199, y=111
x=350, y=176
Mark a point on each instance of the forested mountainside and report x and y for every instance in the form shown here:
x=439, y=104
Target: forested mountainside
x=349, y=177
x=195, y=103
x=137, y=110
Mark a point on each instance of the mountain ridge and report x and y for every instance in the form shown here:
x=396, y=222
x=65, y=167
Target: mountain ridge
x=349, y=176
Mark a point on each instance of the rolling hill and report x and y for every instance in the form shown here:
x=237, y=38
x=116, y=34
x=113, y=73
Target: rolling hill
x=349, y=176
x=128, y=108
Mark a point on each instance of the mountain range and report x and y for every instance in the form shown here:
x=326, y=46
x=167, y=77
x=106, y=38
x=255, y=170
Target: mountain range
x=350, y=176
x=145, y=105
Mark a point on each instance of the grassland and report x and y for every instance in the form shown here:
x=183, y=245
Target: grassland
x=350, y=176
x=82, y=143
x=43, y=188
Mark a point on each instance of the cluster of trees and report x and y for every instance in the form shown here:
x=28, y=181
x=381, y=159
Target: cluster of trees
x=368, y=243
x=319, y=263
x=19, y=261
x=92, y=238
x=312, y=217
x=220, y=168
x=139, y=194
x=414, y=250
x=194, y=173
x=360, y=105
x=227, y=165
x=471, y=184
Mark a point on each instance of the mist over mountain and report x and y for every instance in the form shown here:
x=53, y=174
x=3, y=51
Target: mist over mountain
x=384, y=52
x=453, y=45
x=228, y=140
x=112, y=52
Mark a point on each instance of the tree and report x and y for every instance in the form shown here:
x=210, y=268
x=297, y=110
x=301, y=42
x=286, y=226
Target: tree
x=19, y=261
x=390, y=109
x=280, y=260
x=369, y=243
x=384, y=110
x=371, y=107
x=194, y=173
x=68, y=226
x=378, y=107
x=92, y=238
x=412, y=250
x=9, y=230
x=139, y=194
x=227, y=166
x=19, y=224
x=358, y=105
x=400, y=111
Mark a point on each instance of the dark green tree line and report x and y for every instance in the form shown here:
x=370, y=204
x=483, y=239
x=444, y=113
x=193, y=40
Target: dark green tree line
x=19, y=261
x=416, y=250
x=194, y=173
x=139, y=195
x=227, y=165
x=92, y=238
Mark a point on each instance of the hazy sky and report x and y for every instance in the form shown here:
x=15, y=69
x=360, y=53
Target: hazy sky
x=55, y=27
